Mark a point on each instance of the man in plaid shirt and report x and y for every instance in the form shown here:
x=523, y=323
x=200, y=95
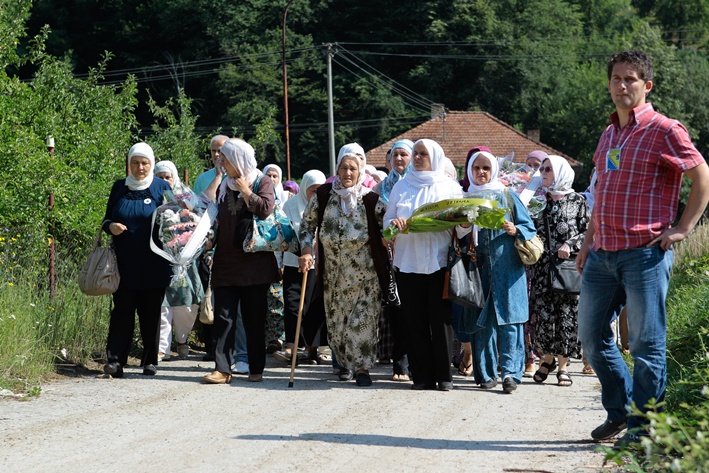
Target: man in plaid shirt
x=627, y=253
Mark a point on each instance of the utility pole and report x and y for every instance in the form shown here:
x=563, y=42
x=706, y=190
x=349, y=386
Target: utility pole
x=285, y=91
x=330, y=112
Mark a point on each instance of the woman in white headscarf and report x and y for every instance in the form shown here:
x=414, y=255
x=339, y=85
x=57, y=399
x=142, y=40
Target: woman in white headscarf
x=240, y=278
x=292, y=279
x=144, y=274
x=351, y=289
x=420, y=260
x=355, y=148
x=561, y=226
x=499, y=325
x=179, y=309
x=276, y=174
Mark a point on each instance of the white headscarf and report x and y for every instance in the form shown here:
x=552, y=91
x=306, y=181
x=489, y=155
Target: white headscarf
x=294, y=207
x=144, y=150
x=449, y=169
x=241, y=155
x=563, y=176
x=352, y=148
x=281, y=194
x=169, y=166
x=493, y=184
x=437, y=174
x=348, y=195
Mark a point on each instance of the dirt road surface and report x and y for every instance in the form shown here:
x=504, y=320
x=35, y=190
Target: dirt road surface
x=172, y=423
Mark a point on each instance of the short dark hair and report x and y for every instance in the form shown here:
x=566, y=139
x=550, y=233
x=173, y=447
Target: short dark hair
x=639, y=59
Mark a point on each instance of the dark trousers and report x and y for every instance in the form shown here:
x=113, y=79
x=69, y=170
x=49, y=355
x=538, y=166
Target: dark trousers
x=313, y=318
x=428, y=326
x=126, y=302
x=253, y=313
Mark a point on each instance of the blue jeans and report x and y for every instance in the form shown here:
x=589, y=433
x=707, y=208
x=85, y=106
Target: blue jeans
x=639, y=278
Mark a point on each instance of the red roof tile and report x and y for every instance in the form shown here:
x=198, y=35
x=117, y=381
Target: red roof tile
x=457, y=132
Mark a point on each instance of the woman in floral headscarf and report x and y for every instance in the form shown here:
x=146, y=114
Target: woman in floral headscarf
x=561, y=226
x=421, y=260
x=240, y=278
x=351, y=289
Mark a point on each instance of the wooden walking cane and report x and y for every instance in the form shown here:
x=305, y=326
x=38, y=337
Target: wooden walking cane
x=294, y=352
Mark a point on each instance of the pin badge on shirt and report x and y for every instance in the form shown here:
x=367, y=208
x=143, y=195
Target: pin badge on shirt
x=613, y=159
x=147, y=201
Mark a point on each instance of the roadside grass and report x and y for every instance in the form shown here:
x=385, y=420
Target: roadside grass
x=36, y=332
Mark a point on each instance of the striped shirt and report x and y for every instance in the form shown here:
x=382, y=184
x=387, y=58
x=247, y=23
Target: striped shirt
x=639, y=169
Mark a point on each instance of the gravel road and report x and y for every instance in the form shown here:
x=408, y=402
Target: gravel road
x=172, y=423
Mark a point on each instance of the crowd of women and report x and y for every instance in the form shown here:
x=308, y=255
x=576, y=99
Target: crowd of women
x=346, y=263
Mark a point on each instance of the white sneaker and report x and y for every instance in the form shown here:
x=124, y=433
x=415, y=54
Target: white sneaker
x=241, y=367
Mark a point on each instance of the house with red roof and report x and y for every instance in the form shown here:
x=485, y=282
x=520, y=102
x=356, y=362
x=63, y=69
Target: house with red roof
x=457, y=132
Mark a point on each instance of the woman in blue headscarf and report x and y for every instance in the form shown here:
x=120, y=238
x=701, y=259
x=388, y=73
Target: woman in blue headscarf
x=400, y=158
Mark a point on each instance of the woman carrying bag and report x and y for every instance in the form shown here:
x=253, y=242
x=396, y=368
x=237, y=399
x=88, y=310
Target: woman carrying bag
x=561, y=226
x=144, y=275
x=240, y=278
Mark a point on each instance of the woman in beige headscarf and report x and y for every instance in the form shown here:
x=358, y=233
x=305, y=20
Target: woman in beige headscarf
x=352, y=292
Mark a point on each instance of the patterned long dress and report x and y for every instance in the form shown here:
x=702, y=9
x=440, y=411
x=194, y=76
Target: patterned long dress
x=352, y=294
x=556, y=315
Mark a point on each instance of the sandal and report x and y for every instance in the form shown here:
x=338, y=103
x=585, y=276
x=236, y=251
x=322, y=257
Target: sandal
x=400, y=377
x=588, y=370
x=564, y=379
x=465, y=370
x=540, y=376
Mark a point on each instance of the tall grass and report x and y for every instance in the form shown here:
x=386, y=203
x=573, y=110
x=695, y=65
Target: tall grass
x=36, y=331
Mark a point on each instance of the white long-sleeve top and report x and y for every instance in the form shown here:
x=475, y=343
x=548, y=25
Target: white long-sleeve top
x=426, y=252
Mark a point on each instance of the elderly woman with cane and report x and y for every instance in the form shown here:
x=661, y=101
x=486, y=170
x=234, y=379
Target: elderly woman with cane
x=344, y=214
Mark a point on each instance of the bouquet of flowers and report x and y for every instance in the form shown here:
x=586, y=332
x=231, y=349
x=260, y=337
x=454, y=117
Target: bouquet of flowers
x=525, y=182
x=513, y=175
x=446, y=214
x=184, y=221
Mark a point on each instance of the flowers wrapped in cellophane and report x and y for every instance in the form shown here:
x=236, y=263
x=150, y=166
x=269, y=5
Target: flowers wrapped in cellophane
x=526, y=182
x=440, y=216
x=184, y=221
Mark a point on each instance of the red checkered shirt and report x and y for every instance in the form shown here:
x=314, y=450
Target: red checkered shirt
x=636, y=202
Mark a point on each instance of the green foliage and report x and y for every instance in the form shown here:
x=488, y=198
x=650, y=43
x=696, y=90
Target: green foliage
x=174, y=137
x=13, y=16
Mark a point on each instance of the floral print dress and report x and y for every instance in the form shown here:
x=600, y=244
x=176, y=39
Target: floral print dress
x=352, y=294
x=555, y=316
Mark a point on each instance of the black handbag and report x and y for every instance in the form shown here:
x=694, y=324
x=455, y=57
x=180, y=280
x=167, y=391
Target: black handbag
x=563, y=277
x=391, y=295
x=462, y=283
